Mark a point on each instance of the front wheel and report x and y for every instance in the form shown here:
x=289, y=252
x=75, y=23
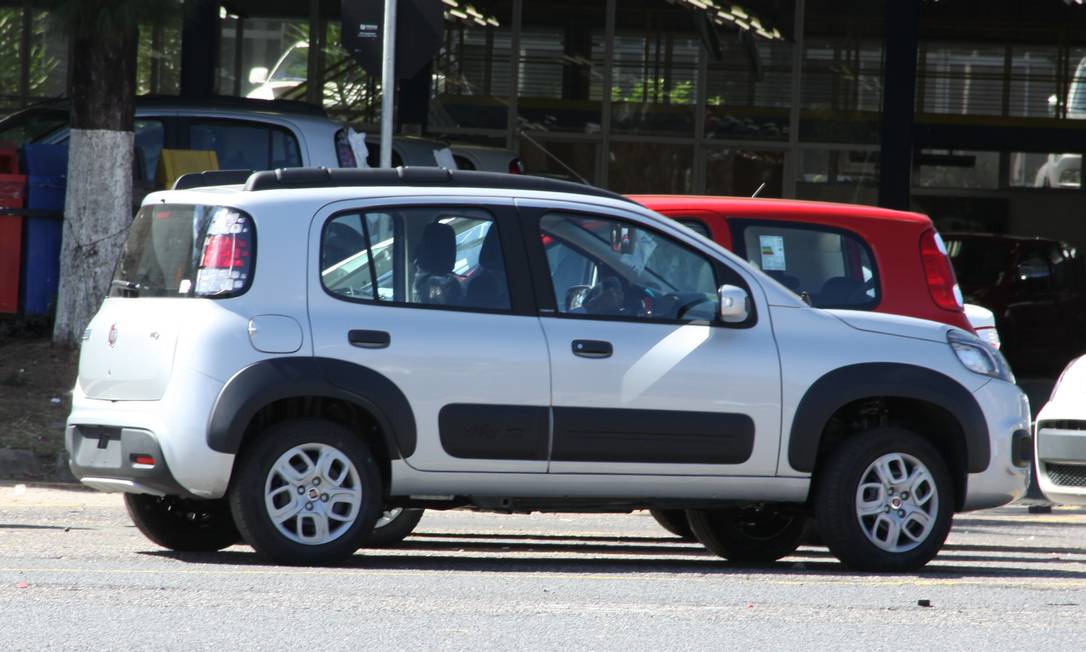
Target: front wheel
x=883, y=501
x=756, y=534
x=183, y=524
x=306, y=492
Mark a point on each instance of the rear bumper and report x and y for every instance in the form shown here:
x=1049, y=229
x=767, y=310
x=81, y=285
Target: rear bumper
x=1007, y=476
x=1060, y=442
x=120, y=459
x=172, y=430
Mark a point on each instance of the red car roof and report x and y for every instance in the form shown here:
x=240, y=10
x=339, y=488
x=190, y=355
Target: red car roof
x=753, y=206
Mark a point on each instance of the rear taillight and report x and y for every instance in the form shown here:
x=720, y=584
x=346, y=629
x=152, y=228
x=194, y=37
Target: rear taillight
x=942, y=283
x=516, y=167
x=226, y=263
x=344, y=153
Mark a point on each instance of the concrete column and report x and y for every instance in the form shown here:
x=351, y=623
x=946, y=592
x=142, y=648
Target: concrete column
x=898, y=102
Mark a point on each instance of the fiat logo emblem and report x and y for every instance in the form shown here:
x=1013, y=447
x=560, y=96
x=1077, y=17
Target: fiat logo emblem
x=112, y=335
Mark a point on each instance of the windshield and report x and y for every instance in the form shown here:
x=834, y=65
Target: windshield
x=979, y=263
x=32, y=125
x=293, y=66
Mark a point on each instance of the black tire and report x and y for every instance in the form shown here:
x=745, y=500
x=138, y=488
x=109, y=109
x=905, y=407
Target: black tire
x=305, y=440
x=183, y=524
x=756, y=534
x=836, y=492
x=674, y=521
x=395, y=530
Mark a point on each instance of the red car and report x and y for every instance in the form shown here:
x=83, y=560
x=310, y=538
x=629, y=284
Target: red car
x=837, y=255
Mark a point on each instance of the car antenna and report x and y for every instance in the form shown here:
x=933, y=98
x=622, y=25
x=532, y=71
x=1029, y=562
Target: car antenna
x=758, y=191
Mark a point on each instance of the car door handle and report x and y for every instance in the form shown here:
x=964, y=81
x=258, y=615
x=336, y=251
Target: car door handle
x=592, y=349
x=369, y=339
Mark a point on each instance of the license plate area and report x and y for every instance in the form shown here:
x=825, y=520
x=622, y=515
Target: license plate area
x=98, y=447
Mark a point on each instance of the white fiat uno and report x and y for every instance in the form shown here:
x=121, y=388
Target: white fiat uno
x=304, y=359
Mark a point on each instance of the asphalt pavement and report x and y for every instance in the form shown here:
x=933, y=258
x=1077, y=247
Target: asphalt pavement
x=74, y=574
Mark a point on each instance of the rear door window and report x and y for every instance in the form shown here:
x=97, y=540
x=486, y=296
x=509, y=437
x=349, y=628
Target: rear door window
x=430, y=256
x=833, y=267
x=246, y=145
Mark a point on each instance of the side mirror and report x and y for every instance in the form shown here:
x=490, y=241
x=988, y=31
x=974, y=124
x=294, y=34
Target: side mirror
x=734, y=304
x=258, y=75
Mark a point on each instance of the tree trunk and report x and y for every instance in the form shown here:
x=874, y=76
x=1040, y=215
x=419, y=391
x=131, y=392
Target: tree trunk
x=98, y=205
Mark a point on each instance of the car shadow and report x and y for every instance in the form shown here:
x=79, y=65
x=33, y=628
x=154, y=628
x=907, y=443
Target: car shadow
x=525, y=553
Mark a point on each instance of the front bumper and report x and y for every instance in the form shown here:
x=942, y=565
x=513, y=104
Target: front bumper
x=1060, y=442
x=1006, y=409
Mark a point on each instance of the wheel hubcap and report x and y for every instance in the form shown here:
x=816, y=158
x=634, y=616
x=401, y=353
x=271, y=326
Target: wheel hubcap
x=313, y=494
x=897, y=502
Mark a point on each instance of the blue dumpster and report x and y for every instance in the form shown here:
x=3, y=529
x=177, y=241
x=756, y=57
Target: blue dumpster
x=46, y=169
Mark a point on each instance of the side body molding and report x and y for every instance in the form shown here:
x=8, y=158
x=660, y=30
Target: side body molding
x=265, y=382
x=847, y=384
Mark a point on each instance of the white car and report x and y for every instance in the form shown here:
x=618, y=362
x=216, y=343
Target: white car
x=285, y=359
x=1061, y=438
x=983, y=322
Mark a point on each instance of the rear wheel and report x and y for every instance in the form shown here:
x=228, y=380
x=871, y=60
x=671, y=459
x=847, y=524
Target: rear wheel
x=883, y=501
x=306, y=492
x=393, y=526
x=674, y=521
x=181, y=523
x=760, y=533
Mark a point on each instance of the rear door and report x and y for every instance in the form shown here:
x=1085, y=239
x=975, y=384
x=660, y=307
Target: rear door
x=645, y=379
x=434, y=296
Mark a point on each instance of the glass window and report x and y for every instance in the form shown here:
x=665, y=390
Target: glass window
x=241, y=145
x=695, y=225
x=838, y=175
x=472, y=74
x=651, y=167
x=741, y=172
x=834, y=268
x=150, y=137
x=612, y=268
x=431, y=256
x=1033, y=271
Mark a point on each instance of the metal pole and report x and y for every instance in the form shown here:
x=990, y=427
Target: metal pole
x=388, y=82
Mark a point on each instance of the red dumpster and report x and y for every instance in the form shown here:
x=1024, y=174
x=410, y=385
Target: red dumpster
x=12, y=194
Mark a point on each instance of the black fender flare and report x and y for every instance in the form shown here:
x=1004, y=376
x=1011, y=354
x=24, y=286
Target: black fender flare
x=885, y=379
x=267, y=381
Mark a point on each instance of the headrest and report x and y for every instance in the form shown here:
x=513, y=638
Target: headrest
x=436, y=253
x=490, y=254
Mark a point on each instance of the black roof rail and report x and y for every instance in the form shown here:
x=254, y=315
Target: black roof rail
x=415, y=176
x=211, y=178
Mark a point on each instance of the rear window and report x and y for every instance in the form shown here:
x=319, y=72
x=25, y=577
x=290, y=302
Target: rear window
x=175, y=250
x=833, y=267
x=979, y=263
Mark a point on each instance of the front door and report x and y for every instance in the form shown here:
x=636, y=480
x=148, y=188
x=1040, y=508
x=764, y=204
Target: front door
x=646, y=379
x=434, y=298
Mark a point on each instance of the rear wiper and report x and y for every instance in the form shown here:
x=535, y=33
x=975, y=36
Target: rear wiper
x=127, y=286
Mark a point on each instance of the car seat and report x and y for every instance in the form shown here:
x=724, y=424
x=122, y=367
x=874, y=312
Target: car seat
x=787, y=280
x=840, y=291
x=488, y=288
x=435, y=283
x=340, y=242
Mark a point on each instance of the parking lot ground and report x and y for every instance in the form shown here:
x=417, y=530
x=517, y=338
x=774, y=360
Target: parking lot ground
x=74, y=574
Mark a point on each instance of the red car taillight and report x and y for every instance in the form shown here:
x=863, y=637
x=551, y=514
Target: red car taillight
x=516, y=167
x=942, y=283
x=226, y=263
